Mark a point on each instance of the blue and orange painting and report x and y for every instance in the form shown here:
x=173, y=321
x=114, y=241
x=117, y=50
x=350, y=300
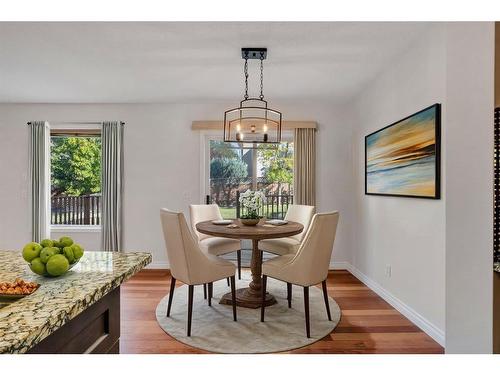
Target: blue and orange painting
x=401, y=158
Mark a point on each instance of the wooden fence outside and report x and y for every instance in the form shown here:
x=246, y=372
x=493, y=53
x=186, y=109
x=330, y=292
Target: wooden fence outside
x=70, y=210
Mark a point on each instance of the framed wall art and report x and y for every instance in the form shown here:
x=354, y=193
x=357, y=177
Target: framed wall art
x=403, y=158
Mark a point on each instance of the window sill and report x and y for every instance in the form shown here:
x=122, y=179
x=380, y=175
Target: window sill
x=75, y=228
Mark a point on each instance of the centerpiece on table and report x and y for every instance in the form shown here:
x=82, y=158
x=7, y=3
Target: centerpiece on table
x=252, y=203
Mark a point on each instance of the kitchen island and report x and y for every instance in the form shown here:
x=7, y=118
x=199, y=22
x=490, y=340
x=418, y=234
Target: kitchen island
x=78, y=312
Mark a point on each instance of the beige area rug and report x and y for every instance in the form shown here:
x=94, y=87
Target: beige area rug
x=214, y=330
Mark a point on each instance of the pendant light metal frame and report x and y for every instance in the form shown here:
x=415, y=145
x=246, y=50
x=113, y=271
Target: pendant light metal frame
x=271, y=119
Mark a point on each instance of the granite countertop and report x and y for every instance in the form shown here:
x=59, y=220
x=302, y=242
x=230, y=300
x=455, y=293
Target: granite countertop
x=29, y=320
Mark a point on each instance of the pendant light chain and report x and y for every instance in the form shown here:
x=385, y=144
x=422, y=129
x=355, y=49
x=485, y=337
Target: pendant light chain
x=261, y=76
x=253, y=124
x=246, y=77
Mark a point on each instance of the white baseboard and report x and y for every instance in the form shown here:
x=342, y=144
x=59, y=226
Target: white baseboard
x=164, y=265
x=340, y=265
x=417, y=319
x=158, y=266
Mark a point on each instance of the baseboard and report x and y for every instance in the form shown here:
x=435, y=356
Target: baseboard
x=158, y=266
x=340, y=265
x=164, y=265
x=437, y=334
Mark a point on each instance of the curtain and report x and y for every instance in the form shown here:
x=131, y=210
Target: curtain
x=39, y=171
x=305, y=166
x=111, y=185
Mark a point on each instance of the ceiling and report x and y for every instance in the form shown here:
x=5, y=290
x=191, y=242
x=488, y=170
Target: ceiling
x=138, y=62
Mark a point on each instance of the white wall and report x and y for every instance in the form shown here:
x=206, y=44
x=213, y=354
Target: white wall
x=406, y=233
x=162, y=157
x=469, y=182
x=440, y=251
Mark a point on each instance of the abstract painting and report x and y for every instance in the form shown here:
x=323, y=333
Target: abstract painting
x=403, y=159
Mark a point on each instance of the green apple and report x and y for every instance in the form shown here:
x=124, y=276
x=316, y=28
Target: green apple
x=77, y=250
x=57, y=244
x=37, y=266
x=65, y=241
x=47, y=243
x=31, y=251
x=46, y=253
x=57, y=265
x=68, y=253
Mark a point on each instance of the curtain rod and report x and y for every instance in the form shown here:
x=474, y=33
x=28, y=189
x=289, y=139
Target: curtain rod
x=76, y=123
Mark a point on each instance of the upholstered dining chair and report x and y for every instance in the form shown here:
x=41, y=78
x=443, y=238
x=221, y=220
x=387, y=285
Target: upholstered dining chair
x=189, y=264
x=308, y=266
x=289, y=245
x=209, y=244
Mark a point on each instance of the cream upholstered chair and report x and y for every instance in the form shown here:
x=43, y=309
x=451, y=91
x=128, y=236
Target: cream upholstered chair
x=288, y=245
x=209, y=244
x=308, y=266
x=189, y=264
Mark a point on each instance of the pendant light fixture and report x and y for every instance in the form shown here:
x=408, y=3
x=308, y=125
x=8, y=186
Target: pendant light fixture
x=253, y=124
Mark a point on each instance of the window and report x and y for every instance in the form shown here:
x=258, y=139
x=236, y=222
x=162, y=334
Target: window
x=232, y=170
x=75, y=178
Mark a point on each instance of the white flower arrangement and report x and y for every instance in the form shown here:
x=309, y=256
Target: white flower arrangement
x=252, y=202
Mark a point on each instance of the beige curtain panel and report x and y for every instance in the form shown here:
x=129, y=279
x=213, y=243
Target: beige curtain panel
x=305, y=166
x=39, y=171
x=111, y=185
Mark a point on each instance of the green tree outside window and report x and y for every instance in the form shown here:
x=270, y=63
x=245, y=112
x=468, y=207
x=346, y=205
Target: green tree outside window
x=75, y=165
x=277, y=164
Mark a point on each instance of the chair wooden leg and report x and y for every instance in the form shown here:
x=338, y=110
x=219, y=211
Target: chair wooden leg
x=289, y=294
x=171, y=294
x=233, y=296
x=190, y=308
x=306, y=310
x=263, y=287
x=325, y=296
x=238, y=255
x=228, y=282
x=210, y=293
x=204, y=291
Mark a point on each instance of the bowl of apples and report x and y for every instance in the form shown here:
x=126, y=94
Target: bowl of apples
x=52, y=258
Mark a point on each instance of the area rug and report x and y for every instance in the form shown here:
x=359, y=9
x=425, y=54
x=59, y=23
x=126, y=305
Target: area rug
x=214, y=330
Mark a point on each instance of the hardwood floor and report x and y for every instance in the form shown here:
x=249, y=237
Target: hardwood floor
x=368, y=324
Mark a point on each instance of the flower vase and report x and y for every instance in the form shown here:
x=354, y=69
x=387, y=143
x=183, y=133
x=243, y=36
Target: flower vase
x=250, y=222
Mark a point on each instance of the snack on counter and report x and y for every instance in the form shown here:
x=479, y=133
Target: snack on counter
x=18, y=287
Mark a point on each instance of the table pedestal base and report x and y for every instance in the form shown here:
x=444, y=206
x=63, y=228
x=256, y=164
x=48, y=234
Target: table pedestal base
x=247, y=297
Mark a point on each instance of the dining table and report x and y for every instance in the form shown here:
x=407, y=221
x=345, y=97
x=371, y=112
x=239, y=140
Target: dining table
x=250, y=296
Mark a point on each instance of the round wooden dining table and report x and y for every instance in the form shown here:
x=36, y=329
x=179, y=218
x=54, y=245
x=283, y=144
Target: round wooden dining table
x=252, y=296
